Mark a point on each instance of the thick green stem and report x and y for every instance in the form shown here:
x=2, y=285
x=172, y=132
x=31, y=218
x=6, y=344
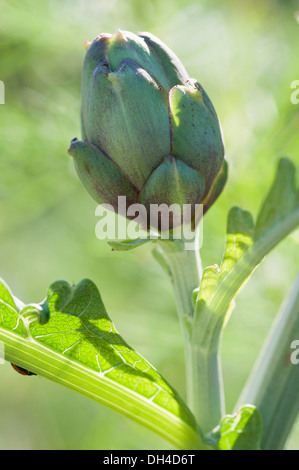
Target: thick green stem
x=273, y=385
x=184, y=269
x=203, y=372
x=205, y=387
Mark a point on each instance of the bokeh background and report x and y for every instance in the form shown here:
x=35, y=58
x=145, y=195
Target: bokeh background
x=246, y=56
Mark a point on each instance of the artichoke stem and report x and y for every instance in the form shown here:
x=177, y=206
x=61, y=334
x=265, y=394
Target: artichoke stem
x=204, y=387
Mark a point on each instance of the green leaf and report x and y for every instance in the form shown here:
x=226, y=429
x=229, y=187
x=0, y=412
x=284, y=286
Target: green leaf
x=125, y=245
x=240, y=232
x=241, y=431
x=246, y=245
x=280, y=201
x=273, y=385
x=210, y=279
x=79, y=347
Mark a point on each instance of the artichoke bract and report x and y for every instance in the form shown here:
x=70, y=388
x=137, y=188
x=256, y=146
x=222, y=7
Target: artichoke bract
x=149, y=132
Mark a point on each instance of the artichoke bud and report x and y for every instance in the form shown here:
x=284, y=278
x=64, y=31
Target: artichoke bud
x=150, y=133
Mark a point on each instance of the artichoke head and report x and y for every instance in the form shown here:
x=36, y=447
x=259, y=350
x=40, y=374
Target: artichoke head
x=149, y=132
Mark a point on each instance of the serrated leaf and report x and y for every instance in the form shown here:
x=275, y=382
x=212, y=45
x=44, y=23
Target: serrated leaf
x=9, y=312
x=247, y=245
x=243, y=253
x=280, y=201
x=80, y=347
x=80, y=328
x=241, y=431
x=240, y=230
x=240, y=233
x=210, y=279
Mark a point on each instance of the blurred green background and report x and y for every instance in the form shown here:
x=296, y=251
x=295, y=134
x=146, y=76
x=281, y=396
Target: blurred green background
x=246, y=56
